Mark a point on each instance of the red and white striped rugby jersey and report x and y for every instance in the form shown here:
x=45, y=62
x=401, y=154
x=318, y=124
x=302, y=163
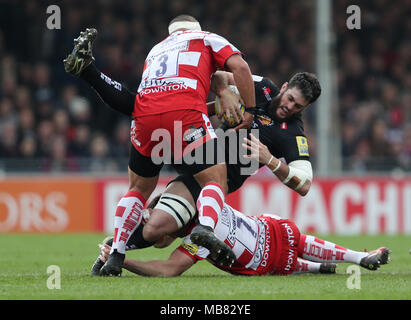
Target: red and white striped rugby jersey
x=254, y=241
x=177, y=72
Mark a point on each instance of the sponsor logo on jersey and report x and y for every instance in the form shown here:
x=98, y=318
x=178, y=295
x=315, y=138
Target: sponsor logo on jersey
x=267, y=93
x=290, y=260
x=233, y=229
x=302, y=144
x=171, y=87
x=261, y=241
x=267, y=247
x=194, y=134
x=191, y=248
x=156, y=83
x=284, y=125
x=265, y=120
x=224, y=218
x=291, y=243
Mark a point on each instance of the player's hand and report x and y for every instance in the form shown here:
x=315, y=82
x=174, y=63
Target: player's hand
x=247, y=122
x=230, y=105
x=104, y=252
x=258, y=150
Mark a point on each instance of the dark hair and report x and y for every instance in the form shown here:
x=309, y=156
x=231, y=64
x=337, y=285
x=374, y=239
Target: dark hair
x=308, y=84
x=183, y=17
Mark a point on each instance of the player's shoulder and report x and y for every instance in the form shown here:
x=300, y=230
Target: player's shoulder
x=265, y=90
x=261, y=82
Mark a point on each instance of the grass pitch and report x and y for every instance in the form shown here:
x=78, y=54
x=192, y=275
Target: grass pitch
x=24, y=259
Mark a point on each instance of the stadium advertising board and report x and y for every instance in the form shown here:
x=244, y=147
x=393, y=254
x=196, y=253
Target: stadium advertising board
x=47, y=205
x=338, y=205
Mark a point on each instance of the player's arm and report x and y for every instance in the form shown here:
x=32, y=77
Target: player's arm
x=297, y=175
x=245, y=85
x=220, y=82
x=177, y=263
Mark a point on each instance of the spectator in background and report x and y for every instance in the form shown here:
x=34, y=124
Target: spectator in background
x=99, y=155
x=59, y=159
x=79, y=145
x=373, y=65
x=121, y=140
x=9, y=140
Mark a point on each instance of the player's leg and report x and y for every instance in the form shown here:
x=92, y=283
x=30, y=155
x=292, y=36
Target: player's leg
x=210, y=202
x=315, y=249
x=306, y=266
x=209, y=206
x=143, y=178
x=80, y=63
x=174, y=210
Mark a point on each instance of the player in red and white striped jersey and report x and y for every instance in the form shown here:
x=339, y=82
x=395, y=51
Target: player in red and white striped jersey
x=170, y=106
x=263, y=245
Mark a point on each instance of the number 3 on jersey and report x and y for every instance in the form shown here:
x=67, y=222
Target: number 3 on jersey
x=163, y=65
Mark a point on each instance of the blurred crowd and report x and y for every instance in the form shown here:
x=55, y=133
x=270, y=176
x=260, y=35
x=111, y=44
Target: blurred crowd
x=374, y=86
x=58, y=123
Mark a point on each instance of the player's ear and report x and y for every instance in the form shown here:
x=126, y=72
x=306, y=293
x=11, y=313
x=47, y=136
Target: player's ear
x=284, y=87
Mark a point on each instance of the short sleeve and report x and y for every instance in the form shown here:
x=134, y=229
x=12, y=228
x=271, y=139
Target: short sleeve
x=221, y=49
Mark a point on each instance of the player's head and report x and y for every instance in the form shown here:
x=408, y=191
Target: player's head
x=183, y=22
x=295, y=95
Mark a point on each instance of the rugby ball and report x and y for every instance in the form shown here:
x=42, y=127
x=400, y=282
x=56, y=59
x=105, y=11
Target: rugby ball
x=230, y=122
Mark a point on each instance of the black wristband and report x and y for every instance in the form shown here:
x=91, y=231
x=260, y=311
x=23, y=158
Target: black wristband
x=251, y=110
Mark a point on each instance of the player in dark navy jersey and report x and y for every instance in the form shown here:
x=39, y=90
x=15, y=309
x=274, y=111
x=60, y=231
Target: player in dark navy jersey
x=280, y=129
x=281, y=135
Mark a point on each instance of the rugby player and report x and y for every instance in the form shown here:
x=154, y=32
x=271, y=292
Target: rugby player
x=171, y=96
x=263, y=245
x=280, y=127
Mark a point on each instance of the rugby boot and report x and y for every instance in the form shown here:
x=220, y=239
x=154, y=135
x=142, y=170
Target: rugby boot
x=98, y=264
x=376, y=258
x=328, y=267
x=81, y=56
x=113, y=265
x=219, y=251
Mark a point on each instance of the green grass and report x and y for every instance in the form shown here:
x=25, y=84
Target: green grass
x=24, y=259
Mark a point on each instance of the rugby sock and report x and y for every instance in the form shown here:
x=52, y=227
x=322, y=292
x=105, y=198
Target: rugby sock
x=137, y=241
x=315, y=249
x=305, y=266
x=128, y=217
x=209, y=204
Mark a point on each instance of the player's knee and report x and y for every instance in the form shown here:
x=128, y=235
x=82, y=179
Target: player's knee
x=151, y=233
